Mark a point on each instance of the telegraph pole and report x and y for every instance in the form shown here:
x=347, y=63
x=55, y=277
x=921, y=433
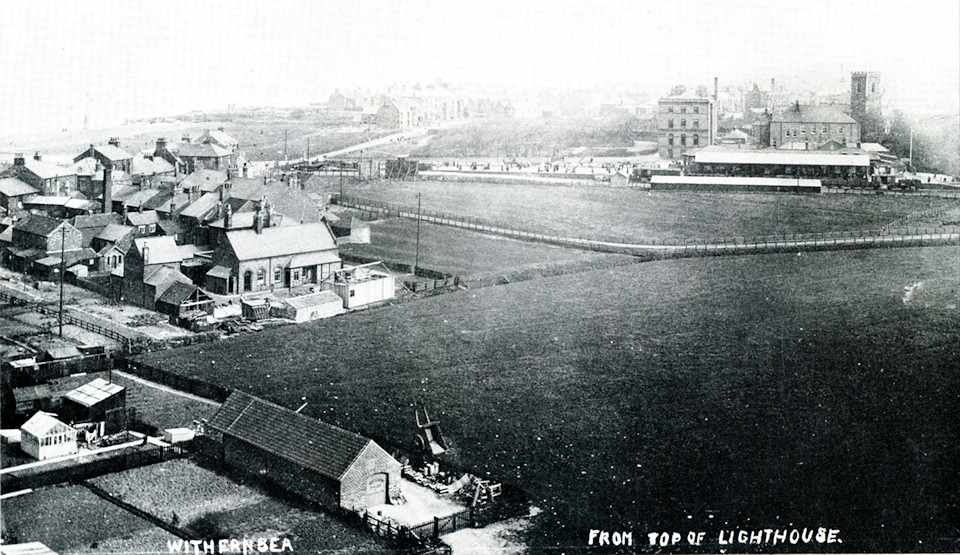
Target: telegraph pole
x=284, y=145
x=340, y=163
x=63, y=235
x=416, y=263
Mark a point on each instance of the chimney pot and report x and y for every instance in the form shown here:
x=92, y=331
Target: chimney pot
x=37, y=157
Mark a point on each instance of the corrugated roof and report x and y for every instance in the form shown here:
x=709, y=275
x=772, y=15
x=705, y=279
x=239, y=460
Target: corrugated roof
x=94, y=392
x=326, y=449
x=163, y=249
x=42, y=423
x=783, y=157
x=812, y=113
x=247, y=244
x=13, y=187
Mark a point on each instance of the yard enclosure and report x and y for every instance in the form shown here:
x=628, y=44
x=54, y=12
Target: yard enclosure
x=813, y=389
x=635, y=215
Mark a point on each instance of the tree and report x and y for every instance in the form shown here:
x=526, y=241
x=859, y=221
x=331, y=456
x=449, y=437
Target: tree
x=703, y=91
x=678, y=90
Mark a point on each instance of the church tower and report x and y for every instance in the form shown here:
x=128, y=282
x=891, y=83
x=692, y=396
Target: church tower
x=865, y=100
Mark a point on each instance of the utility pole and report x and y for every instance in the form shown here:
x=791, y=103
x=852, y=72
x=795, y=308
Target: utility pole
x=416, y=263
x=63, y=235
x=340, y=163
x=284, y=145
x=308, y=150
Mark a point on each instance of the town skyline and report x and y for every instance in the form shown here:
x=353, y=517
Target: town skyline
x=117, y=61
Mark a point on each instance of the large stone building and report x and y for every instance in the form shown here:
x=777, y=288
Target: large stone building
x=685, y=122
x=808, y=127
x=865, y=103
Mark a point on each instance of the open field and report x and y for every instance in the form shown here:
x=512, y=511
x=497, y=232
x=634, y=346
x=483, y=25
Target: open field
x=475, y=257
x=211, y=505
x=163, y=409
x=784, y=390
x=635, y=215
x=71, y=519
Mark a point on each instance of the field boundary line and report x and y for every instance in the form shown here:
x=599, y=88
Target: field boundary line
x=159, y=523
x=166, y=388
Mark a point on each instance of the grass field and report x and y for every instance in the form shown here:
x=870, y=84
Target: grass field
x=475, y=257
x=781, y=390
x=71, y=519
x=163, y=409
x=633, y=214
x=206, y=503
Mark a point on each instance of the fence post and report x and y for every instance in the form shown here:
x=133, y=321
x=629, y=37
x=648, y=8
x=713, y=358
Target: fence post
x=436, y=527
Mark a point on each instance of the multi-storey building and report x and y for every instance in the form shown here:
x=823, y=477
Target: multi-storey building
x=685, y=122
x=865, y=99
x=811, y=126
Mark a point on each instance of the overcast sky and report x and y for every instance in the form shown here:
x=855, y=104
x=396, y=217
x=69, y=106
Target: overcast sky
x=61, y=59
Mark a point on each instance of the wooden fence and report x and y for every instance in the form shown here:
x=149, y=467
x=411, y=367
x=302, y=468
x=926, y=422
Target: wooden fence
x=189, y=384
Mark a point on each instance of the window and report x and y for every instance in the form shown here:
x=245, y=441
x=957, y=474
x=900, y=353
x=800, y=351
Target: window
x=670, y=139
x=683, y=140
x=296, y=274
x=141, y=229
x=153, y=228
x=261, y=276
x=794, y=132
x=683, y=109
x=826, y=129
x=683, y=123
x=277, y=274
x=670, y=123
x=696, y=140
x=670, y=109
x=873, y=87
x=803, y=130
x=352, y=292
x=669, y=153
x=696, y=124
x=696, y=109
x=840, y=130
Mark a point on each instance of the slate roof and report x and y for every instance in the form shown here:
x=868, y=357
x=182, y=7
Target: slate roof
x=247, y=244
x=36, y=224
x=163, y=249
x=86, y=167
x=46, y=170
x=200, y=208
x=218, y=137
x=98, y=221
x=110, y=152
x=326, y=449
x=94, y=392
x=114, y=232
x=349, y=222
x=13, y=187
x=202, y=150
x=143, y=218
x=812, y=113
x=141, y=197
x=206, y=180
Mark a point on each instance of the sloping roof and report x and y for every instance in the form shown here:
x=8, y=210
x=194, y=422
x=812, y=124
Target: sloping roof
x=735, y=181
x=349, y=222
x=247, y=244
x=205, y=180
x=246, y=188
x=46, y=170
x=873, y=147
x=170, y=227
x=35, y=224
x=177, y=293
x=97, y=221
x=221, y=272
x=39, y=424
x=28, y=548
x=179, y=200
x=202, y=150
x=218, y=137
x=812, y=113
x=736, y=134
x=163, y=249
x=68, y=351
x=201, y=207
x=141, y=197
x=94, y=392
x=32, y=393
x=114, y=232
x=780, y=157
x=326, y=449
x=13, y=187
x=110, y=152
x=86, y=166
x=143, y=218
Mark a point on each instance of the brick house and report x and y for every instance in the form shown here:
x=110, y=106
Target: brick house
x=151, y=265
x=13, y=192
x=207, y=156
x=268, y=257
x=36, y=237
x=109, y=156
x=318, y=461
x=48, y=179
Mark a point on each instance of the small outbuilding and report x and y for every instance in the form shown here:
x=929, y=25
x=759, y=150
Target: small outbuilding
x=351, y=229
x=318, y=461
x=361, y=285
x=97, y=401
x=44, y=437
x=314, y=306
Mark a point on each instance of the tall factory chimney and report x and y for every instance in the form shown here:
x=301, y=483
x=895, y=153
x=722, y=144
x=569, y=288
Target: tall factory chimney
x=716, y=88
x=107, y=190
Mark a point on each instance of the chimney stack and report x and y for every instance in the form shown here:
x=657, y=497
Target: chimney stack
x=115, y=141
x=18, y=159
x=258, y=219
x=773, y=84
x=146, y=255
x=108, y=191
x=227, y=217
x=716, y=88
x=220, y=129
x=92, y=151
x=37, y=157
x=185, y=139
x=267, y=213
x=161, y=145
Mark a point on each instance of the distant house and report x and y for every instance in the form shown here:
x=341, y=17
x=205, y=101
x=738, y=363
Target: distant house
x=361, y=285
x=13, y=192
x=812, y=126
x=268, y=257
x=315, y=460
x=166, y=152
x=48, y=179
x=144, y=223
x=204, y=156
x=152, y=264
x=219, y=138
x=387, y=116
x=36, y=240
x=109, y=155
x=182, y=297
x=619, y=179
x=44, y=437
x=204, y=181
x=114, y=234
x=313, y=306
x=92, y=225
x=97, y=401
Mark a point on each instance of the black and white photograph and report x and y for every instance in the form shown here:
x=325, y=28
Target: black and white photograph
x=471, y=277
